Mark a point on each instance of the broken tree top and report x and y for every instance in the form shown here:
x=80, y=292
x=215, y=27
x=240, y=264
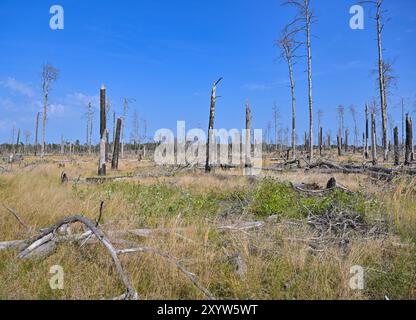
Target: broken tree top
x=102, y=87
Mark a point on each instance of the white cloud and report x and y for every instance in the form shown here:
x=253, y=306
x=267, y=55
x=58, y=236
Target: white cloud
x=19, y=87
x=56, y=110
x=81, y=100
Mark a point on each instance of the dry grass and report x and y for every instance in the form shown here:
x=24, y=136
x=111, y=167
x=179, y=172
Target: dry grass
x=280, y=264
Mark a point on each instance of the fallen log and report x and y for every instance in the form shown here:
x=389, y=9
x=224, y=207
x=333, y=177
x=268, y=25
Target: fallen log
x=42, y=244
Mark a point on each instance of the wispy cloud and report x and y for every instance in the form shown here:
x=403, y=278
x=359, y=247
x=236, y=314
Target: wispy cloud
x=19, y=87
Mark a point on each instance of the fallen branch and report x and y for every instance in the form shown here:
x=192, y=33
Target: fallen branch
x=48, y=238
x=20, y=220
x=173, y=260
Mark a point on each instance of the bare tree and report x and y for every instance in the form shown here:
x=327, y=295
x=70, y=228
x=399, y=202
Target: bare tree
x=288, y=46
x=381, y=71
x=27, y=140
x=211, y=125
x=366, y=136
x=247, y=160
x=303, y=21
x=102, y=162
x=276, y=117
x=49, y=75
x=341, y=115
x=135, y=134
x=90, y=121
x=356, y=130
x=36, y=133
x=126, y=102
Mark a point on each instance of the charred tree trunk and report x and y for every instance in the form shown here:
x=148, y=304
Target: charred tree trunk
x=211, y=126
x=396, y=147
x=116, y=146
x=102, y=165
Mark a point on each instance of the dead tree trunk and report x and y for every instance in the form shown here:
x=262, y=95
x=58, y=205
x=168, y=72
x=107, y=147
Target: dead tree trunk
x=116, y=146
x=373, y=139
x=320, y=138
x=107, y=145
x=102, y=166
x=62, y=145
x=339, y=144
x=383, y=102
x=366, y=153
x=396, y=147
x=308, y=18
x=346, y=141
x=247, y=161
x=412, y=146
x=36, y=134
x=211, y=126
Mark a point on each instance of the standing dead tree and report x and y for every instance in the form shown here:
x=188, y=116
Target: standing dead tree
x=135, y=134
x=303, y=21
x=396, y=147
x=102, y=164
x=211, y=125
x=126, y=102
x=247, y=161
x=366, y=153
x=37, y=133
x=116, y=146
x=17, y=141
x=90, y=121
x=27, y=141
x=356, y=130
x=409, y=140
x=49, y=75
x=373, y=139
x=381, y=72
x=288, y=46
x=276, y=116
x=341, y=115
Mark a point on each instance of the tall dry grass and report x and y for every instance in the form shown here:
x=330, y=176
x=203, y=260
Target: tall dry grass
x=279, y=262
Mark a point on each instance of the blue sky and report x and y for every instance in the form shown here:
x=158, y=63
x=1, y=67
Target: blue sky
x=167, y=54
